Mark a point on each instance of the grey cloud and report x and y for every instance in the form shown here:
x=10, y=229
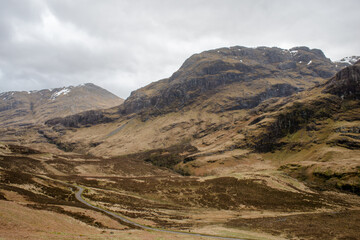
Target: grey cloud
x=124, y=45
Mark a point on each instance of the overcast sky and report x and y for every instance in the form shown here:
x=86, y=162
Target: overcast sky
x=123, y=45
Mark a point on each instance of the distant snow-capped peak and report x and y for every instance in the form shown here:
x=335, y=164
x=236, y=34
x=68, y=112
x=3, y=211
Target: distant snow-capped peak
x=350, y=60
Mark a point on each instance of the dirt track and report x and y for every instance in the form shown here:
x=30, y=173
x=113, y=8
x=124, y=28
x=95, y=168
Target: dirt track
x=79, y=197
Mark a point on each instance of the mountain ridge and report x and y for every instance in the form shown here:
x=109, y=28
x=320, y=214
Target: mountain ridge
x=211, y=69
x=250, y=74
x=253, y=114
x=258, y=126
x=32, y=107
x=267, y=144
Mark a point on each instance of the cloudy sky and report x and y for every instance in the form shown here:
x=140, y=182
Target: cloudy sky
x=122, y=45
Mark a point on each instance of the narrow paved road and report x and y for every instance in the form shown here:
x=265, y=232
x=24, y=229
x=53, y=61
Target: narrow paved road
x=79, y=197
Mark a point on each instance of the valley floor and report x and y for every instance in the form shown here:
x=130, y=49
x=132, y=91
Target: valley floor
x=38, y=202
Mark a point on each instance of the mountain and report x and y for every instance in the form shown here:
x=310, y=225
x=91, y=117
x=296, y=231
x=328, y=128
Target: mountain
x=254, y=75
x=23, y=114
x=271, y=142
x=230, y=104
x=222, y=80
x=219, y=85
x=313, y=135
x=347, y=61
x=34, y=107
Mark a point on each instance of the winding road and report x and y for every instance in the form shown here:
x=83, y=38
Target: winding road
x=78, y=196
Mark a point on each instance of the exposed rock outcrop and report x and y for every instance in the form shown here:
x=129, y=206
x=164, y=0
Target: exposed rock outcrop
x=346, y=83
x=82, y=119
x=289, y=119
x=277, y=90
x=210, y=70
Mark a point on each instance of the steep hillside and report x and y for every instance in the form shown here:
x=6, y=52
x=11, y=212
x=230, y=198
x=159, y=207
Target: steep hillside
x=34, y=107
x=313, y=135
x=211, y=89
x=337, y=101
x=263, y=130
x=254, y=74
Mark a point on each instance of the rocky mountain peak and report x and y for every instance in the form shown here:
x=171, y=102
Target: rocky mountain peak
x=261, y=55
x=210, y=71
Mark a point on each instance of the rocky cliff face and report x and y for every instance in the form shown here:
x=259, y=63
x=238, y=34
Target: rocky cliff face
x=346, y=83
x=337, y=100
x=86, y=118
x=299, y=67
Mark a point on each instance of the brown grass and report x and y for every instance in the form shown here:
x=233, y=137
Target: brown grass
x=342, y=225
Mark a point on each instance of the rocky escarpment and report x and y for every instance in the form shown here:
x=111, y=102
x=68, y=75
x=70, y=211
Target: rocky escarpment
x=277, y=90
x=289, y=120
x=314, y=134
x=333, y=102
x=82, y=119
x=211, y=70
x=346, y=83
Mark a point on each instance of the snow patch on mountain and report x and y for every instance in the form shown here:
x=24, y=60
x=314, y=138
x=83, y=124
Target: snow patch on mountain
x=63, y=91
x=350, y=60
x=293, y=52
